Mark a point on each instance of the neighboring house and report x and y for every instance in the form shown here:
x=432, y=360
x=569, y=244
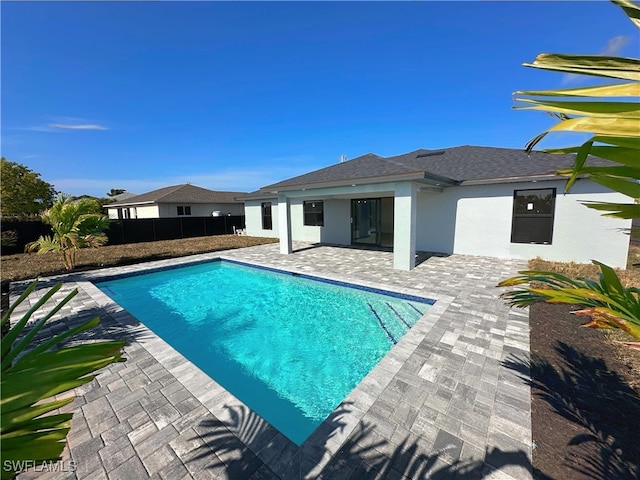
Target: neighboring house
x=178, y=201
x=121, y=197
x=470, y=200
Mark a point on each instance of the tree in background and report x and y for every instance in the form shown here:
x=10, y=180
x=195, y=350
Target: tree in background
x=612, y=114
x=101, y=201
x=22, y=191
x=111, y=196
x=114, y=192
x=75, y=224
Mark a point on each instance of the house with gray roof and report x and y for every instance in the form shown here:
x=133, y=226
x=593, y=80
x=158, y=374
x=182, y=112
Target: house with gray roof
x=471, y=200
x=178, y=201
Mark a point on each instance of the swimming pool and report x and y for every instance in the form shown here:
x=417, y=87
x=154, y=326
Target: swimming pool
x=291, y=347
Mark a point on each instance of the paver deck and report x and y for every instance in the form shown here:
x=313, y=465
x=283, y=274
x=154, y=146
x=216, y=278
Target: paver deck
x=441, y=404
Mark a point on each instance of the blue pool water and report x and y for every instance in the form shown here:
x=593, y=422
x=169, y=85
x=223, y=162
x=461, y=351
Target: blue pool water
x=290, y=347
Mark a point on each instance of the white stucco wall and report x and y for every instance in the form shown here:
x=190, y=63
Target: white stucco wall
x=337, y=212
x=405, y=219
x=337, y=215
x=150, y=211
x=253, y=219
x=476, y=220
x=336, y=230
x=386, y=221
x=472, y=220
x=337, y=222
x=227, y=208
x=299, y=231
x=165, y=210
x=139, y=211
x=201, y=209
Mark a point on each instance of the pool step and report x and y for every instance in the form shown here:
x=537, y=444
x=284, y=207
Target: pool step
x=384, y=327
x=398, y=315
x=395, y=319
x=415, y=308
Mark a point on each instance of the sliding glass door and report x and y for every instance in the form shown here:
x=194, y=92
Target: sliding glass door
x=365, y=221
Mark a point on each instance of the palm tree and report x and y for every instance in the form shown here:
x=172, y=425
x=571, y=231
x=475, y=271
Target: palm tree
x=75, y=224
x=606, y=112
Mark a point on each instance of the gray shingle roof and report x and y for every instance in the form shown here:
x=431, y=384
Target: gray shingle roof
x=366, y=166
x=468, y=163
x=449, y=166
x=123, y=196
x=182, y=194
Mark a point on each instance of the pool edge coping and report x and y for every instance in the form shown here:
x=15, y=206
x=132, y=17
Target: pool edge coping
x=327, y=439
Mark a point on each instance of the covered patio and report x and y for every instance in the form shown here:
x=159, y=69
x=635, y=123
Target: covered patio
x=399, y=215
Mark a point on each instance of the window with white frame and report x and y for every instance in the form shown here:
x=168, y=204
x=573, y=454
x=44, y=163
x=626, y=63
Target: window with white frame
x=184, y=210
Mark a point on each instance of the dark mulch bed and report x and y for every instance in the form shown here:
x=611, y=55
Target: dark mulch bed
x=585, y=414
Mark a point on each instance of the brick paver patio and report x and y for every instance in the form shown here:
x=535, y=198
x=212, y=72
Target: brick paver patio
x=439, y=405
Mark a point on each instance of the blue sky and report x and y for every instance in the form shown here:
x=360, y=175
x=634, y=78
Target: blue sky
x=235, y=96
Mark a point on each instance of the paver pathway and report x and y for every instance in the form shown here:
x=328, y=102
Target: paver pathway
x=439, y=405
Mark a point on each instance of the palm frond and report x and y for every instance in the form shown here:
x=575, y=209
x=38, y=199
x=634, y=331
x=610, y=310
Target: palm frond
x=616, y=210
x=614, y=90
x=31, y=376
x=615, y=305
x=595, y=65
x=631, y=9
x=614, y=123
x=591, y=109
x=624, y=155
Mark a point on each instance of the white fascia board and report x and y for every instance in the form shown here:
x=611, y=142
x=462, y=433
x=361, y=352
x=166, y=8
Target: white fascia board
x=342, y=191
x=356, y=181
x=528, y=178
x=112, y=205
x=271, y=196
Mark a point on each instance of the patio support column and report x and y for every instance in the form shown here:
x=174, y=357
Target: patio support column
x=404, y=226
x=284, y=224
